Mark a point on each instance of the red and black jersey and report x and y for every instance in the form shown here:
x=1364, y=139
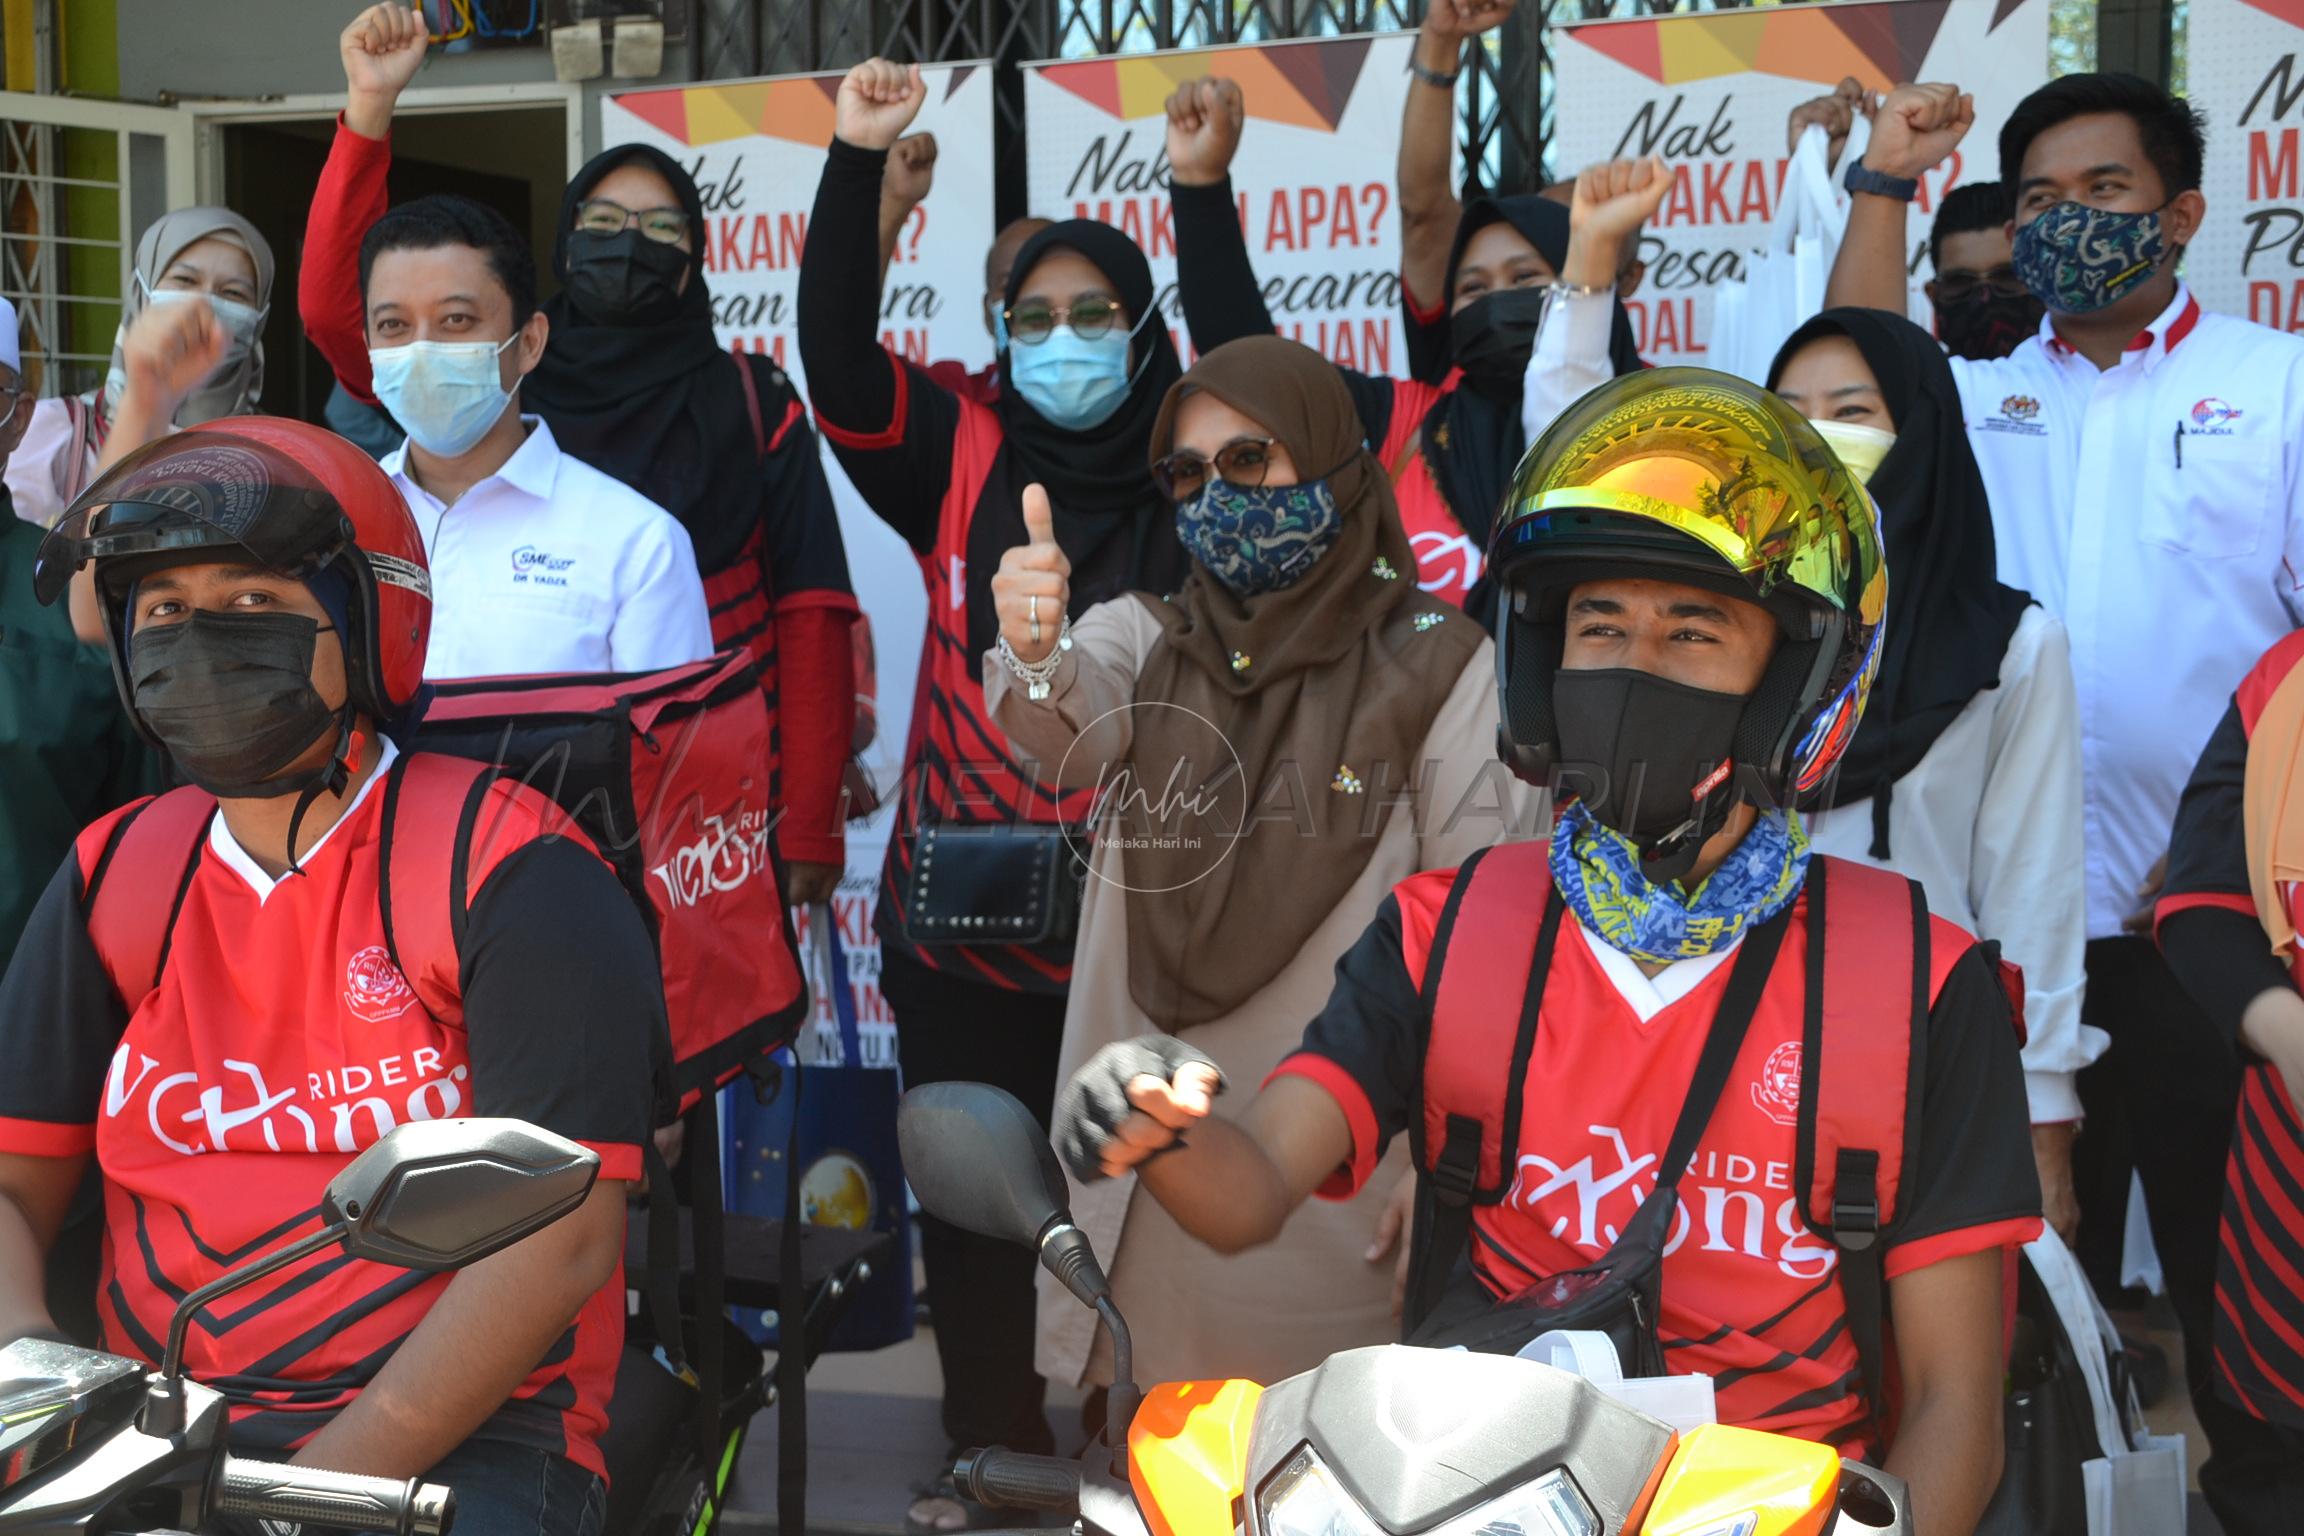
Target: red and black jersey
x=2215, y=942
x=1750, y=1294
x=280, y=1041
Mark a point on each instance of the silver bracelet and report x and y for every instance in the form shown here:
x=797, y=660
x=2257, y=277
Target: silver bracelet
x=1038, y=677
x=1561, y=290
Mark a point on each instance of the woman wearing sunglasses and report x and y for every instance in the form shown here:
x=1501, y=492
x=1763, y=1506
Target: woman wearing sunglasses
x=634, y=383
x=976, y=926
x=1279, y=742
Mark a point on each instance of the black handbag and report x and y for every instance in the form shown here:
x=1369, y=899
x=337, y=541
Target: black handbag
x=1621, y=1293
x=2048, y=1426
x=997, y=883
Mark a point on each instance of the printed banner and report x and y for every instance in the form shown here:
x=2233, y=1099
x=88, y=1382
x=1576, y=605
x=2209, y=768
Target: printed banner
x=2245, y=78
x=1314, y=175
x=1711, y=91
x=756, y=149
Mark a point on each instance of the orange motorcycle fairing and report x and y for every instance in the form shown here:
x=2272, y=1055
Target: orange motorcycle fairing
x=1188, y=1455
x=1721, y=1474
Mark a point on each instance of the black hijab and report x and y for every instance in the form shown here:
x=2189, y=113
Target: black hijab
x=1112, y=523
x=1472, y=435
x=660, y=407
x=1949, y=616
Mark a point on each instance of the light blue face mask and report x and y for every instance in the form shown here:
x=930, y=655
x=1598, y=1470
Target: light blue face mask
x=242, y=322
x=1076, y=382
x=447, y=394
x=996, y=316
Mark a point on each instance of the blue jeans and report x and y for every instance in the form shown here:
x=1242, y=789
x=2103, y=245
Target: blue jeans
x=506, y=1490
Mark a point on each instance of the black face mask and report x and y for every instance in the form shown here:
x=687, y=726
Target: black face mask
x=1492, y=336
x=231, y=698
x=1988, y=326
x=625, y=278
x=1646, y=755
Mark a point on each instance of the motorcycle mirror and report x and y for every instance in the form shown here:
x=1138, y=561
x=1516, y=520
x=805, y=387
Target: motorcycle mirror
x=441, y=1194
x=977, y=1159
x=428, y=1195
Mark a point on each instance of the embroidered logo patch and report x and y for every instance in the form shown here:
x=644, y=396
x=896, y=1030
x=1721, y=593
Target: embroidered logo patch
x=1776, y=1092
x=374, y=989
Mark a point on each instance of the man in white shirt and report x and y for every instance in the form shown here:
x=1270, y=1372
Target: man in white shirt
x=2145, y=461
x=540, y=563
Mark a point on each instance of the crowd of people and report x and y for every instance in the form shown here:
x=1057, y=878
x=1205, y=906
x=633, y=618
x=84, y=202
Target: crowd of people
x=1726, y=827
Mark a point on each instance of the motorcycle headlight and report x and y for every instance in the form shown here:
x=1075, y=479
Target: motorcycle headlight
x=1305, y=1499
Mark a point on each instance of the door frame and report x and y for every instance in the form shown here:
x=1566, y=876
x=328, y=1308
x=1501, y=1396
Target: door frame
x=209, y=118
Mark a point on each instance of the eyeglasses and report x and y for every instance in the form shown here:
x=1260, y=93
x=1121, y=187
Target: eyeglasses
x=15, y=395
x=1032, y=321
x=598, y=216
x=1959, y=287
x=1244, y=461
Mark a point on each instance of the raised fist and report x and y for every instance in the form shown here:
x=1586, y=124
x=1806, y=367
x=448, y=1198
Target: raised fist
x=1836, y=114
x=1459, y=19
x=1033, y=584
x=877, y=102
x=171, y=349
x=911, y=171
x=382, y=50
x=1204, y=119
x=1917, y=127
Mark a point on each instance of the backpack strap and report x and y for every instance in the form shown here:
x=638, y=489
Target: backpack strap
x=1855, y=1123
x=155, y=846
x=1495, y=939
x=752, y=407
x=432, y=806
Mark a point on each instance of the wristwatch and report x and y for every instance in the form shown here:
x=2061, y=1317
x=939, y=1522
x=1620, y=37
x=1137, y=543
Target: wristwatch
x=1862, y=178
x=1433, y=77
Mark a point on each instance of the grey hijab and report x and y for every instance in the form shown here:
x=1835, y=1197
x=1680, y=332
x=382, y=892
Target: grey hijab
x=237, y=385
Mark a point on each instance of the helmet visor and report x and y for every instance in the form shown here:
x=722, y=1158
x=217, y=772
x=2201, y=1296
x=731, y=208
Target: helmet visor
x=1757, y=487
x=197, y=491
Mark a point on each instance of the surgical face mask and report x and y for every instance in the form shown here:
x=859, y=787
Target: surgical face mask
x=243, y=323
x=1259, y=538
x=2078, y=260
x=1647, y=756
x=1075, y=382
x=1988, y=325
x=1491, y=337
x=446, y=394
x=230, y=696
x=996, y=316
x=624, y=278
x=1860, y=446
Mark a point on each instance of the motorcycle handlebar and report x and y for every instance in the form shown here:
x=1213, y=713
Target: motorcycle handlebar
x=264, y=1490
x=1012, y=1480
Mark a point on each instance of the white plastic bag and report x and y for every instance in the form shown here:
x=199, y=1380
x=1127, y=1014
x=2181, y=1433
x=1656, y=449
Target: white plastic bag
x=1684, y=1402
x=2137, y=1487
x=1784, y=280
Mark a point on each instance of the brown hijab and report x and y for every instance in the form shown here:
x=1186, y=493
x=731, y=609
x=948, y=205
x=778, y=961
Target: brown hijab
x=1324, y=691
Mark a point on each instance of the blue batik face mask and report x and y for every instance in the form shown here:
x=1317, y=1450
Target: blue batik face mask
x=1076, y=382
x=1259, y=538
x=2078, y=260
x=447, y=394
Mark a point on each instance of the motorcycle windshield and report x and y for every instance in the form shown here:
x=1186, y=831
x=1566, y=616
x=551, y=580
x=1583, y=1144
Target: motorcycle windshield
x=51, y=1395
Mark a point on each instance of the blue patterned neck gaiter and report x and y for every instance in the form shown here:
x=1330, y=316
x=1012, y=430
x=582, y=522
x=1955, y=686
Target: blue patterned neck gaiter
x=1597, y=872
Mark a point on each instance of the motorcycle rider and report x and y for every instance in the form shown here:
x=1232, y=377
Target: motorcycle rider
x=1691, y=593
x=267, y=604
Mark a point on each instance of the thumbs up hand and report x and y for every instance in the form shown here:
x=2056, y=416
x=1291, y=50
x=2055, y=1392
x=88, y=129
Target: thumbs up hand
x=1033, y=584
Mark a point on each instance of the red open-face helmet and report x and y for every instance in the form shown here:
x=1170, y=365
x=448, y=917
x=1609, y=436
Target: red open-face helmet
x=279, y=494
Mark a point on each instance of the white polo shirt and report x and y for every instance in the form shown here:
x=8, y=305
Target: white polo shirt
x=548, y=565
x=2154, y=508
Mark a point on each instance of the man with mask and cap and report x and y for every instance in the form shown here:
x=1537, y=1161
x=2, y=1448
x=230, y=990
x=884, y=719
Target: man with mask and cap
x=266, y=608
x=1691, y=593
x=2145, y=463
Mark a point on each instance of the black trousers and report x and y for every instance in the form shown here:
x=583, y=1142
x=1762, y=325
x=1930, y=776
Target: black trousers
x=951, y=1029
x=2162, y=1101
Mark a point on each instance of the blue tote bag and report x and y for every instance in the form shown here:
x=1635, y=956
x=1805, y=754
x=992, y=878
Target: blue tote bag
x=850, y=1173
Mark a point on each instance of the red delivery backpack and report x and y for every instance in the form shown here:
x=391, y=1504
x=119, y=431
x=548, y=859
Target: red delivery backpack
x=667, y=774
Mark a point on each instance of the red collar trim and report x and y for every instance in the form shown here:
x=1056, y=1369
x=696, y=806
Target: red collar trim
x=2187, y=320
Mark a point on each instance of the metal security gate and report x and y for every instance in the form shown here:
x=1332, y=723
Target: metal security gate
x=1504, y=100
x=78, y=179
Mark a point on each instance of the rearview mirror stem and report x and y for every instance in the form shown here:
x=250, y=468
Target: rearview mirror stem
x=163, y=1410
x=1121, y=1402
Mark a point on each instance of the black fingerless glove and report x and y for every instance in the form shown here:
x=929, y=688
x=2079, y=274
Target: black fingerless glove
x=1091, y=1107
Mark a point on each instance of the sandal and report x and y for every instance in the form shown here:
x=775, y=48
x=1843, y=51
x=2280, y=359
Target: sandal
x=939, y=1509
